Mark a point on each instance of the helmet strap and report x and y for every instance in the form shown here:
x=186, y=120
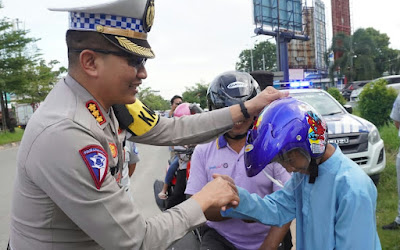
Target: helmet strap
x=236, y=137
x=313, y=169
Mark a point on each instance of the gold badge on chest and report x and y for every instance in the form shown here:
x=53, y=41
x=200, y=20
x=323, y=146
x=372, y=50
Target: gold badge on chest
x=113, y=149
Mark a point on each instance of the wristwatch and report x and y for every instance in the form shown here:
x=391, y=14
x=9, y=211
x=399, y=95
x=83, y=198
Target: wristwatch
x=244, y=110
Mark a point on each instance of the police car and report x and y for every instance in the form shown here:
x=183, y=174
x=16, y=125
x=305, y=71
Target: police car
x=358, y=138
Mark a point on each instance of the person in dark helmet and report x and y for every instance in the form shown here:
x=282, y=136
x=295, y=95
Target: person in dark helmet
x=332, y=199
x=225, y=155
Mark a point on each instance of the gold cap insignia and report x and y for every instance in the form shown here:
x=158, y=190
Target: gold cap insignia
x=148, y=17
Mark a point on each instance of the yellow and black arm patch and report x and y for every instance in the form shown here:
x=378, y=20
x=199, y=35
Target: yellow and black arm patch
x=136, y=118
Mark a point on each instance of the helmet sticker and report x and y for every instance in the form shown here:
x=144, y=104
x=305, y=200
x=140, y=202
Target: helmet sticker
x=248, y=148
x=235, y=85
x=316, y=133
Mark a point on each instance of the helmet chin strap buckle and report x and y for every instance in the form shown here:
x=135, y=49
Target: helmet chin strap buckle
x=313, y=169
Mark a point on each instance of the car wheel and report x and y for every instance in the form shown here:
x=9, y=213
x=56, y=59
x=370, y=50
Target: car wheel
x=375, y=178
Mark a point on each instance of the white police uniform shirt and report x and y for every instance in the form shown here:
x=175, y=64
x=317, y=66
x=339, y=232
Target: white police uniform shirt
x=65, y=196
x=131, y=157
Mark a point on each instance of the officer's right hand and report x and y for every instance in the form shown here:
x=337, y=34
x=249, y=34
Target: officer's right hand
x=268, y=95
x=218, y=193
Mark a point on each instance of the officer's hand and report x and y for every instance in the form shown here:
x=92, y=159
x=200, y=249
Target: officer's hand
x=218, y=193
x=269, y=94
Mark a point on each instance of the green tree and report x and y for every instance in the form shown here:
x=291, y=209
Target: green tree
x=196, y=94
x=152, y=100
x=264, y=53
x=380, y=51
x=364, y=56
x=364, y=66
x=15, y=56
x=41, y=80
x=376, y=102
x=337, y=95
x=342, y=47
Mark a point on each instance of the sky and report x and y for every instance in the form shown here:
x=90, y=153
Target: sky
x=193, y=40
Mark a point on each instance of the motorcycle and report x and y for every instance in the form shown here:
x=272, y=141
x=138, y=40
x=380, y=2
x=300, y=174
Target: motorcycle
x=176, y=195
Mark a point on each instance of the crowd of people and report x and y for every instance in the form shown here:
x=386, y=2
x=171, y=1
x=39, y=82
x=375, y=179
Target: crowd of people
x=262, y=160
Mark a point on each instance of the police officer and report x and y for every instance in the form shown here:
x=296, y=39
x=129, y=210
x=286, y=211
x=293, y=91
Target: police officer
x=67, y=192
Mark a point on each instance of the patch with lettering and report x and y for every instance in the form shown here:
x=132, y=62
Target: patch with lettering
x=95, y=111
x=96, y=161
x=113, y=148
x=144, y=119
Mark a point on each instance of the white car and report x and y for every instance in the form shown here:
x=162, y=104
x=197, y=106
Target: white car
x=358, y=138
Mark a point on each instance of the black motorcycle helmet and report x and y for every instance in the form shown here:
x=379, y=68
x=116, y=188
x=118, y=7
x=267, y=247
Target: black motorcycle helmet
x=231, y=88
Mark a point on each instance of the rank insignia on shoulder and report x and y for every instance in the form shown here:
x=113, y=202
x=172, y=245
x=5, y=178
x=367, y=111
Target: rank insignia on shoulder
x=95, y=111
x=96, y=161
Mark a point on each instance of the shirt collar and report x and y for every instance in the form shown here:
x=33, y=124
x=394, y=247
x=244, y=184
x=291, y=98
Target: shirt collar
x=221, y=142
x=332, y=163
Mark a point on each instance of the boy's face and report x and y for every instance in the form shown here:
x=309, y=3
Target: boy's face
x=294, y=161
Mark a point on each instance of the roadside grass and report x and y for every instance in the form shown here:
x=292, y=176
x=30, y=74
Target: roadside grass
x=386, y=210
x=7, y=137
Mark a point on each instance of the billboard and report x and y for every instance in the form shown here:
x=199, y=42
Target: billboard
x=289, y=19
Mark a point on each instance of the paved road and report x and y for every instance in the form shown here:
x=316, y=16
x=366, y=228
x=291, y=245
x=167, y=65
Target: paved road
x=7, y=169
x=152, y=166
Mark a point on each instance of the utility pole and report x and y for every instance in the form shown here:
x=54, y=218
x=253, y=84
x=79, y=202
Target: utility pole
x=251, y=57
x=263, y=59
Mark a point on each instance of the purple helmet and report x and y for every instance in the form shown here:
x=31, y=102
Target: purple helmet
x=284, y=125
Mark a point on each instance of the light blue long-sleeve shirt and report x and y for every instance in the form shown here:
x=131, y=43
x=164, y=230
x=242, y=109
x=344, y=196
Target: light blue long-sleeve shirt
x=336, y=212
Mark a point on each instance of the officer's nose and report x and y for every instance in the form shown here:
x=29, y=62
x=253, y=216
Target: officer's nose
x=142, y=72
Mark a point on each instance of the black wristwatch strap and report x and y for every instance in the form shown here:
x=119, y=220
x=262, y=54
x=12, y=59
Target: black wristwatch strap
x=244, y=110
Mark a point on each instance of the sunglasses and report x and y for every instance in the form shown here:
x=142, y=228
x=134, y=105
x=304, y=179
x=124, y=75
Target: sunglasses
x=177, y=103
x=133, y=61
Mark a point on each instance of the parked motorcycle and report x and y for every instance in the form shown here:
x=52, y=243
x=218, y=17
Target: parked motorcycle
x=176, y=195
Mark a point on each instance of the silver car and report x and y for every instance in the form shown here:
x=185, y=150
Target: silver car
x=392, y=82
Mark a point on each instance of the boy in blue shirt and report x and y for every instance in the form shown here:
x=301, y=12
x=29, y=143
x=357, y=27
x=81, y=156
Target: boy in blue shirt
x=332, y=199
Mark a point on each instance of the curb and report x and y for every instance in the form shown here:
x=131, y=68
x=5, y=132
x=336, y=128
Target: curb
x=10, y=145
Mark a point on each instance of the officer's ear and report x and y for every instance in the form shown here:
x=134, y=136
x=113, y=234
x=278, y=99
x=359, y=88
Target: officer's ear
x=90, y=61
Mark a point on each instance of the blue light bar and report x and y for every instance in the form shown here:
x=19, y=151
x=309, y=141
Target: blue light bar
x=293, y=85
x=300, y=84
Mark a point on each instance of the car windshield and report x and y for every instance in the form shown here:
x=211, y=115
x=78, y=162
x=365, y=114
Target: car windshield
x=322, y=102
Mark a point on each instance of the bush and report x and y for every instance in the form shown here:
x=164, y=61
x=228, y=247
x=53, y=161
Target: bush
x=337, y=95
x=376, y=102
